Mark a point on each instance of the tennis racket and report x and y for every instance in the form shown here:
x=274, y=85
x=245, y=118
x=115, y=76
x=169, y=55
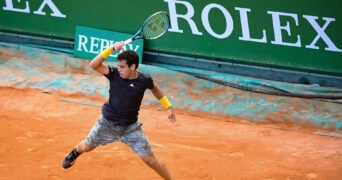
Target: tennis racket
x=154, y=26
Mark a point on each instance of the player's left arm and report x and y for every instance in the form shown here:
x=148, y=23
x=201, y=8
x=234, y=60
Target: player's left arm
x=158, y=93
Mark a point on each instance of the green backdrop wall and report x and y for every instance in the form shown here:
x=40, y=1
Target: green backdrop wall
x=293, y=34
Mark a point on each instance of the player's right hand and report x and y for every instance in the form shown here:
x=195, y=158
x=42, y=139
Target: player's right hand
x=117, y=46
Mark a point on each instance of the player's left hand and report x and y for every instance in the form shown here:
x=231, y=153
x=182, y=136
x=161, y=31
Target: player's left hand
x=172, y=115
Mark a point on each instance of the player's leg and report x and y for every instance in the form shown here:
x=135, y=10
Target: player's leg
x=70, y=158
x=100, y=134
x=138, y=141
x=157, y=166
x=84, y=147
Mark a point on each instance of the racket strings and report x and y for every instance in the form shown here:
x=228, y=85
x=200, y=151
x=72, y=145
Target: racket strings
x=156, y=26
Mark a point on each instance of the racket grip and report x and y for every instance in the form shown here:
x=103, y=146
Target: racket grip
x=128, y=41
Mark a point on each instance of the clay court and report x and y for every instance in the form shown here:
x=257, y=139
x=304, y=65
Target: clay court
x=256, y=87
x=42, y=116
x=38, y=129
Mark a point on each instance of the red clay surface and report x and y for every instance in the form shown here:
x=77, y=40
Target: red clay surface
x=38, y=130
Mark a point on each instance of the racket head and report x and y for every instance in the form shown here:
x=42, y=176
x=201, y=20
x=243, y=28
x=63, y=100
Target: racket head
x=156, y=25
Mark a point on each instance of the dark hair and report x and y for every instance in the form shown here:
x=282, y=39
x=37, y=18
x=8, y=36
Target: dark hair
x=130, y=56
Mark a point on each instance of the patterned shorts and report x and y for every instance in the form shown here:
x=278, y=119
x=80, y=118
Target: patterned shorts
x=105, y=131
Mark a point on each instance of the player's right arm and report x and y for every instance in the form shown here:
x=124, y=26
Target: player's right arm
x=98, y=64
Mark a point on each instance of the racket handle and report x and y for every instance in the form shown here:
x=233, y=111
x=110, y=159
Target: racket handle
x=128, y=41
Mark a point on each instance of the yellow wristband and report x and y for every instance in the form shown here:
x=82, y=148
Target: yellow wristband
x=165, y=102
x=106, y=52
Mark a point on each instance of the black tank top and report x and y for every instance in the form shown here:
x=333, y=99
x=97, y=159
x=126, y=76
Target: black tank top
x=125, y=97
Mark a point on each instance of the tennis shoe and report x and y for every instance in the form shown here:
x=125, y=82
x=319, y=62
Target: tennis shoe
x=70, y=159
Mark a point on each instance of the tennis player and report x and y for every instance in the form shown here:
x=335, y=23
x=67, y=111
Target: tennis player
x=119, y=118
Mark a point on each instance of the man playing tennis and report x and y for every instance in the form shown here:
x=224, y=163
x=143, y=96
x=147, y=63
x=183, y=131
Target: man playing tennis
x=119, y=119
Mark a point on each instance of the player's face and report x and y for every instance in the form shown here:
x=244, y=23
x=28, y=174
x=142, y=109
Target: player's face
x=125, y=71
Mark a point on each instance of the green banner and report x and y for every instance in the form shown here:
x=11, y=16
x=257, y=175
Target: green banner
x=89, y=42
x=304, y=35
